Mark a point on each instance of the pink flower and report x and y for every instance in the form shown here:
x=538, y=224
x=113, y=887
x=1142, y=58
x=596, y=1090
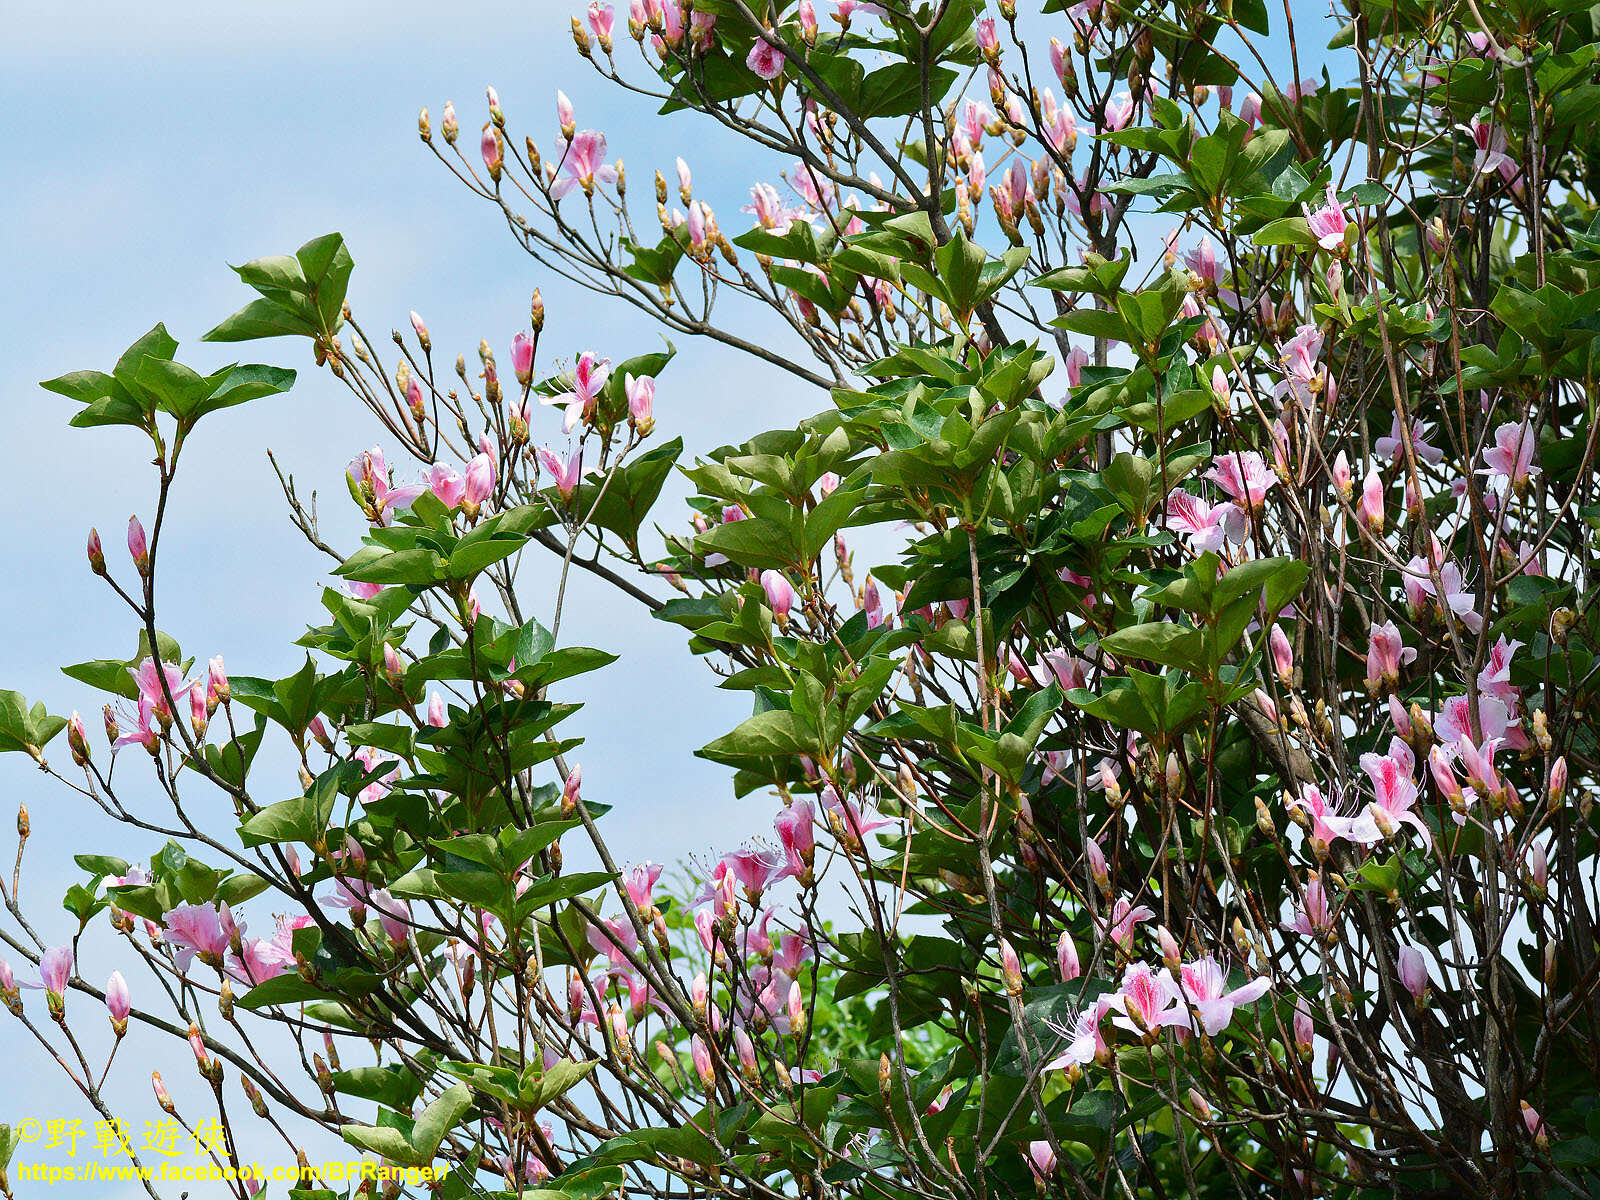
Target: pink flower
x=1085, y=1041
x=780, y=595
x=1328, y=223
x=796, y=830
x=55, y=969
x=1314, y=917
x=1148, y=1000
x=1041, y=1160
x=640, y=882
x=1396, y=793
x=1511, y=457
x=1413, y=971
x=148, y=677
x=1328, y=823
x=119, y=1001
x=588, y=380
x=765, y=59
x=1206, y=526
x=445, y=482
x=1204, y=983
x=1068, y=966
x=1244, y=476
x=138, y=545
x=490, y=147
x=522, y=358
x=849, y=821
x=479, y=483
x=567, y=474
x=370, y=476
x=1119, y=111
x=641, y=393
x=1392, y=447
x=700, y=1055
x=602, y=19
x=197, y=929
x=583, y=163
x=1489, y=139
x=1386, y=653
x=1125, y=918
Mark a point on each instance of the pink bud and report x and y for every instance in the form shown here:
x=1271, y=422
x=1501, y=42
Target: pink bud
x=522, y=358
x=1370, y=512
x=492, y=155
x=641, y=393
x=119, y=1002
x=1171, y=956
x=1067, y=964
x=1342, y=481
x=436, y=716
x=97, y=554
x=163, y=1098
x=138, y=545
x=1010, y=967
x=569, y=790
x=391, y=660
x=55, y=969
x=1303, y=1027
x=197, y=1043
x=797, y=1008
x=780, y=595
x=565, y=116
x=480, y=481
x=685, y=179
x=1097, y=865
x=745, y=1049
x=1413, y=971
x=1558, y=781
x=1282, y=655
x=416, y=321
x=700, y=1054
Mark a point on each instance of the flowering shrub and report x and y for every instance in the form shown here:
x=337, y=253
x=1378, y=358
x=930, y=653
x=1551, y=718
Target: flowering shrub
x=1205, y=770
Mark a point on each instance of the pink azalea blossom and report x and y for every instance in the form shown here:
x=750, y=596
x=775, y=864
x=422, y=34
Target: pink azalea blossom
x=446, y=483
x=583, y=162
x=1328, y=223
x=1392, y=448
x=1244, y=476
x=198, y=929
x=1314, y=916
x=1085, y=1039
x=55, y=970
x=1206, y=526
x=568, y=473
x=1119, y=111
x=1148, y=1000
x=765, y=59
x=370, y=475
x=1511, y=456
x=1489, y=141
x=1204, y=985
x=588, y=380
x=1396, y=794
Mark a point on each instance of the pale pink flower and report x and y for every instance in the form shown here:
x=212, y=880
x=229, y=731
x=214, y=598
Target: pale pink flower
x=1511, y=456
x=765, y=59
x=1314, y=916
x=446, y=483
x=1148, y=1000
x=370, y=474
x=1204, y=985
x=588, y=380
x=1328, y=223
x=567, y=473
x=583, y=162
x=1244, y=476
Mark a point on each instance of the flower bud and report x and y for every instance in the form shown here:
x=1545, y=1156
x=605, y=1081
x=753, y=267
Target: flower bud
x=97, y=554
x=138, y=546
x=424, y=128
x=163, y=1098
x=1010, y=968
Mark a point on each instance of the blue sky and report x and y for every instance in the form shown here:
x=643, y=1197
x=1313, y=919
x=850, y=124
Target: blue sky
x=152, y=145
